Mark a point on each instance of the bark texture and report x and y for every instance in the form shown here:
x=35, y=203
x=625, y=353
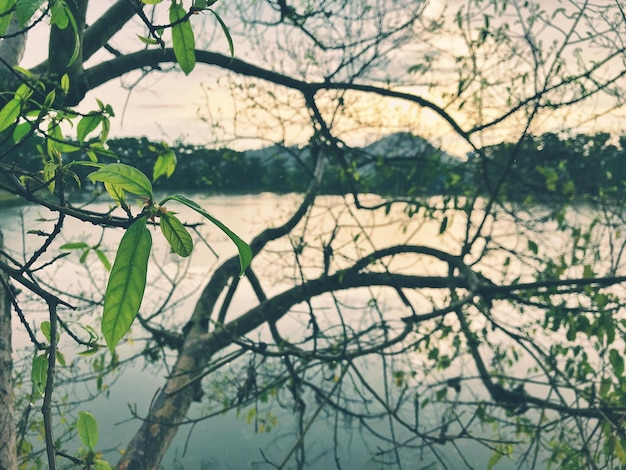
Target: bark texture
x=11, y=52
x=8, y=449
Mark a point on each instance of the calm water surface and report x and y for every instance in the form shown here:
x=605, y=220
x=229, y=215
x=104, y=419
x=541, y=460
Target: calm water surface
x=227, y=441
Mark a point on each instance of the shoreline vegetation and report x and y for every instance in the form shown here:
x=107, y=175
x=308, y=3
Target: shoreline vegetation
x=555, y=167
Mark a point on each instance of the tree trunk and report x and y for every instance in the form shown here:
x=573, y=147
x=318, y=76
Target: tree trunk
x=147, y=448
x=11, y=50
x=8, y=449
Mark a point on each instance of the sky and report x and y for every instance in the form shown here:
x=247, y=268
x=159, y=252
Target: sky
x=168, y=106
x=161, y=106
x=158, y=107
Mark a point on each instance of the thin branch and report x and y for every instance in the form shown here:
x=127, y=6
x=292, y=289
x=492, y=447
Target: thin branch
x=46, y=408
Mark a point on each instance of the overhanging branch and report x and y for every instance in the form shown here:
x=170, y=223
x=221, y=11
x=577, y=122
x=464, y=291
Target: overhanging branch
x=106, y=71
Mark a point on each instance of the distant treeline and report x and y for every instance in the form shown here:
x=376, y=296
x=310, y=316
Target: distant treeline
x=274, y=169
x=556, y=165
x=289, y=169
x=538, y=166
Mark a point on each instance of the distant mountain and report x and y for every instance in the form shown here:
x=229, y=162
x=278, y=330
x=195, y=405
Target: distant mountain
x=405, y=144
x=392, y=146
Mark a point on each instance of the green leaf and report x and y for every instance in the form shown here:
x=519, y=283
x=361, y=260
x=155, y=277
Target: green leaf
x=49, y=174
x=49, y=99
x=115, y=192
x=245, y=253
x=87, y=429
x=89, y=352
x=45, y=329
x=165, y=165
x=23, y=71
x=125, y=178
x=25, y=9
x=10, y=113
x=176, y=234
x=151, y=2
x=87, y=125
x=103, y=259
x=101, y=465
x=127, y=283
x=617, y=361
x=619, y=449
x=21, y=131
x=24, y=92
x=77, y=41
x=39, y=373
x=65, y=83
x=54, y=141
x=147, y=40
x=106, y=127
x=495, y=458
x=74, y=246
x=183, y=39
x=229, y=38
x=5, y=19
x=59, y=15
x=61, y=358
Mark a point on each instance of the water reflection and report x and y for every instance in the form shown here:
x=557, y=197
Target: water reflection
x=262, y=431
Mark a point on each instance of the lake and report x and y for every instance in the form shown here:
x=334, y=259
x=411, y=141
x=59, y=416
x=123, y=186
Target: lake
x=263, y=431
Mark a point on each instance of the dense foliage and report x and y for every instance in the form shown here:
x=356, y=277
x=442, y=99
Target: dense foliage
x=538, y=168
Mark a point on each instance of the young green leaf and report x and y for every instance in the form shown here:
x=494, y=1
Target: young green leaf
x=183, y=39
x=25, y=9
x=89, y=352
x=74, y=246
x=127, y=283
x=124, y=177
x=5, y=16
x=49, y=174
x=61, y=358
x=87, y=429
x=59, y=16
x=165, y=165
x=21, y=131
x=101, y=465
x=176, y=234
x=24, y=92
x=49, y=99
x=65, y=83
x=39, y=373
x=617, y=361
x=54, y=141
x=151, y=2
x=45, y=329
x=87, y=125
x=229, y=39
x=10, y=113
x=103, y=259
x=106, y=127
x=245, y=253
x=23, y=71
x=147, y=40
x=495, y=458
x=116, y=193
